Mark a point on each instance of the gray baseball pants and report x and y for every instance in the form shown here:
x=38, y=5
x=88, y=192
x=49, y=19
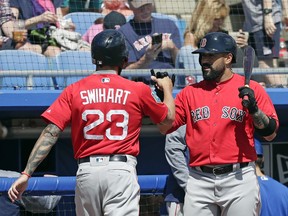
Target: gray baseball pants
x=107, y=188
x=233, y=194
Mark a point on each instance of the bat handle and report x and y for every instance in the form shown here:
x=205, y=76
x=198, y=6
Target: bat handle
x=245, y=100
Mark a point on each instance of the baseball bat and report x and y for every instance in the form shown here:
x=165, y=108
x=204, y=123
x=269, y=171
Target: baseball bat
x=248, y=62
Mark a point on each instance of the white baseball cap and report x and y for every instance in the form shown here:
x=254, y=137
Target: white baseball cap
x=139, y=3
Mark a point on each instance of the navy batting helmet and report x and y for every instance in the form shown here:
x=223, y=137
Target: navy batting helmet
x=109, y=48
x=218, y=42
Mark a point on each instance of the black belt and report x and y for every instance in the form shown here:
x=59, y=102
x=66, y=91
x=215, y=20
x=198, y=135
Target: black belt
x=221, y=169
x=120, y=158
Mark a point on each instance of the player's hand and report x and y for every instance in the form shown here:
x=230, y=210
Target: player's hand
x=252, y=104
x=18, y=187
x=162, y=80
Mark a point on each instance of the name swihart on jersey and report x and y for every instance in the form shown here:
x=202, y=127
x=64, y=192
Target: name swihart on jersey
x=104, y=95
x=232, y=113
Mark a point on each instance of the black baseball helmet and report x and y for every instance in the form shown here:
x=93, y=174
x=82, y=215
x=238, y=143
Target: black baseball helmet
x=218, y=42
x=108, y=48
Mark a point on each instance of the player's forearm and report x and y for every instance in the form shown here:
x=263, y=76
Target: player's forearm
x=169, y=101
x=265, y=126
x=42, y=147
x=260, y=120
x=165, y=125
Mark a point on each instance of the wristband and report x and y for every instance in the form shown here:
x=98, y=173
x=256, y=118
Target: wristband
x=24, y=173
x=267, y=11
x=269, y=129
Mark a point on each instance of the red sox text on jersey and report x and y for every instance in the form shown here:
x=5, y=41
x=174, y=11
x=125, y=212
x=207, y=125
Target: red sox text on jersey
x=227, y=112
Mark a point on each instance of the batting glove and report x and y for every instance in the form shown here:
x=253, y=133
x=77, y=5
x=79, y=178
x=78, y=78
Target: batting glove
x=251, y=105
x=161, y=75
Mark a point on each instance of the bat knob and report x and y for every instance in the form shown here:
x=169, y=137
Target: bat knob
x=245, y=103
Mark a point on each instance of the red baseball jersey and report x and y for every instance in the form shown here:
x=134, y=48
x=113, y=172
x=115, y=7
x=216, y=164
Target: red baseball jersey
x=219, y=129
x=105, y=111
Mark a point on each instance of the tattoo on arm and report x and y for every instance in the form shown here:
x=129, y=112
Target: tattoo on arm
x=42, y=147
x=260, y=119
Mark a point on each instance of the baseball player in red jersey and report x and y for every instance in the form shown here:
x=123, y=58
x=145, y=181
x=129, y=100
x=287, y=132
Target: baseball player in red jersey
x=220, y=133
x=105, y=112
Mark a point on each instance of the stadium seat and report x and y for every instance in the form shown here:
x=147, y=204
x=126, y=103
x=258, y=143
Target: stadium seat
x=83, y=20
x=13, y=83
x=21, y=62
x=73, y=61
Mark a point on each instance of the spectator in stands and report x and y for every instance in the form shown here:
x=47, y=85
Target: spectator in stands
x=34, y=204
x=6, y=33
x=263, y=22
x=120, y=6
x=38, y=18
x=138, y=32
x=208, y=16
x=96, y=28
x=113, y=20
x=274, y=195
